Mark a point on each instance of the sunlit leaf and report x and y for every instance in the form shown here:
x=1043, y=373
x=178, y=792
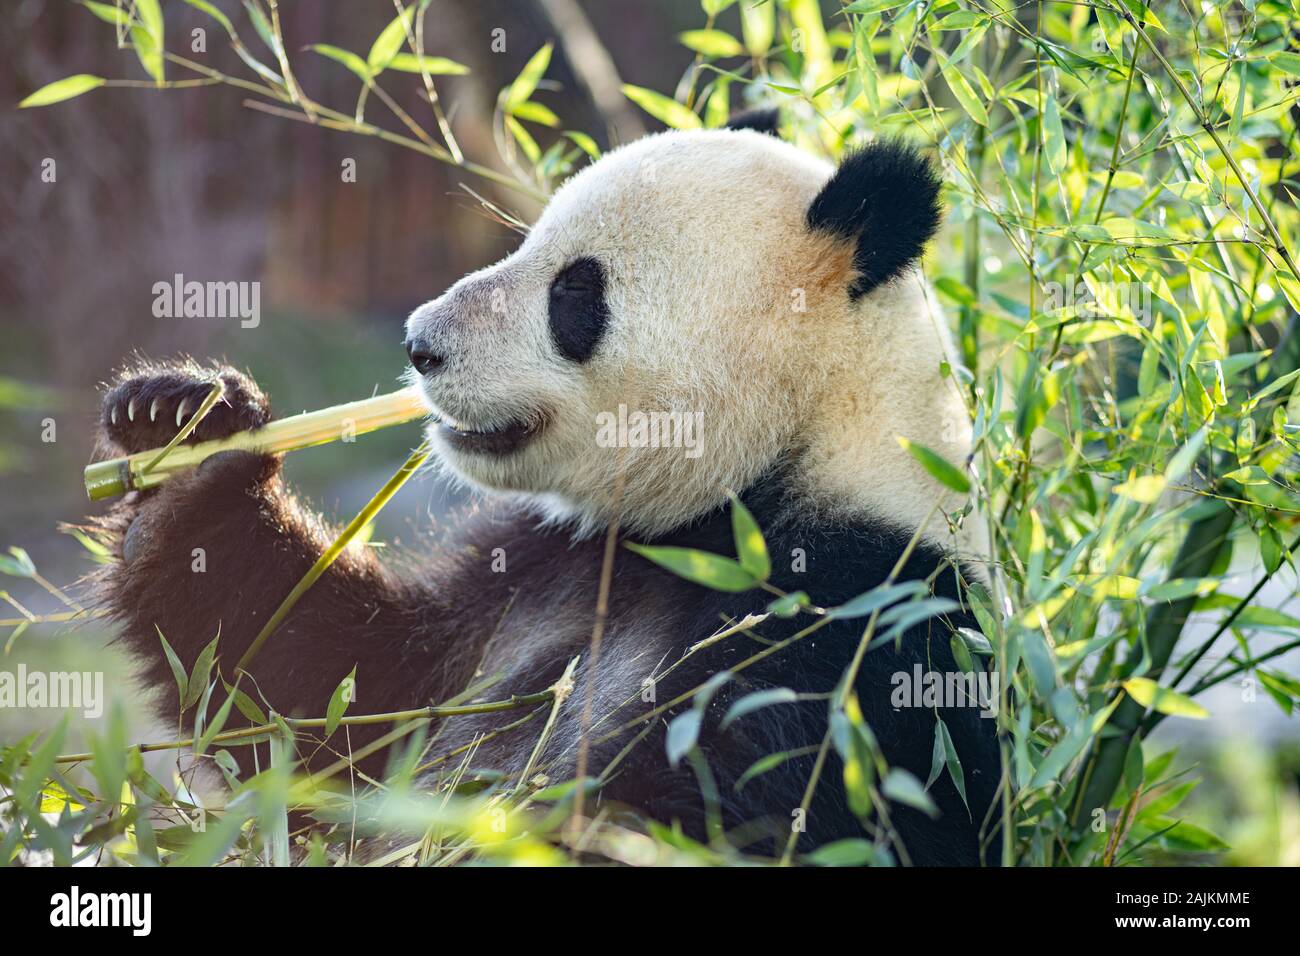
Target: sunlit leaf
x=389, y=41
x=350, y=60
x=710, y=570
x=711, y=42
x=433, y=65
x=667, y=111
x=521, y=90
x=64, y=89
x=1166, y=700
x=751, y=549
x=943, y=470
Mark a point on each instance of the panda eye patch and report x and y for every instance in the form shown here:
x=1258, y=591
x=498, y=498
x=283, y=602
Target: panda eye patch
x=577, y=311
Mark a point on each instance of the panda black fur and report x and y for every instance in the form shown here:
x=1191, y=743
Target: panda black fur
x=619, y=295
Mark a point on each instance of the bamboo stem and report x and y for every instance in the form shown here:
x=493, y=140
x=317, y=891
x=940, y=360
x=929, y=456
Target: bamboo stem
x=363, y=518
x=145, y=469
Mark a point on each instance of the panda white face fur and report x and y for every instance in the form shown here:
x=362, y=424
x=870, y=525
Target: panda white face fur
x=728, y=277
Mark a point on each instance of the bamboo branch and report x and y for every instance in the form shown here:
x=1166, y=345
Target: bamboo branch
x=303, y=723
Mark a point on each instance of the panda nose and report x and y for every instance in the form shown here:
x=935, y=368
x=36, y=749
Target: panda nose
x=423, y=359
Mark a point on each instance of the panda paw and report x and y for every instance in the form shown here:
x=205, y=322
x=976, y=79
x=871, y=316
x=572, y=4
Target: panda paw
x=147, y=406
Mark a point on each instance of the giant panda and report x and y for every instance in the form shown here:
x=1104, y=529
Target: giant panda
x=724, y=274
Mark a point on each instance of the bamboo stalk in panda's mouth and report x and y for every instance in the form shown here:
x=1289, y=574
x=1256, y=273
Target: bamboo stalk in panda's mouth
x=147, y=469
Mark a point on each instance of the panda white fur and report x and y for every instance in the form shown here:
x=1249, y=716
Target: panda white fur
x=724, y=273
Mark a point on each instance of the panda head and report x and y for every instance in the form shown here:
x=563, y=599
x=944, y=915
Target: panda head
x=729, y=290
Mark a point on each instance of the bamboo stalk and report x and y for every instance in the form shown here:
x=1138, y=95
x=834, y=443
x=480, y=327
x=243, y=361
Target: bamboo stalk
x=146, y=469
x=328, y=556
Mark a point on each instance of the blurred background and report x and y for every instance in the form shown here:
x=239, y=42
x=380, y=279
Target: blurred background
x=153, y=183
x=150, y=183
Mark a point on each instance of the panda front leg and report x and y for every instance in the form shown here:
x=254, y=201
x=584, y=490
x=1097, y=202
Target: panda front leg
x=215, y=550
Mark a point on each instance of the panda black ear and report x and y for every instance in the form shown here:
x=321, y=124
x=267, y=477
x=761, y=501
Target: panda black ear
x=885, y=197
x=762, y=120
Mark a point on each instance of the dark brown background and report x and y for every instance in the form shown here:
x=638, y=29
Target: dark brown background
x=151, y=183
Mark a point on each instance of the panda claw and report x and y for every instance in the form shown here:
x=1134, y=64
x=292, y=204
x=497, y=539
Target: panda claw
x=130, y=409
x=112, y=415
x=153, y=410
x=180, y=411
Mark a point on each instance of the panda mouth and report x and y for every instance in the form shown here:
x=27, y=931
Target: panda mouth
x=498, y=441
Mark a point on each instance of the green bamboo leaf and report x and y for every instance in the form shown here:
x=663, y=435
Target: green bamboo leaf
x=198, y=679
x=852, y=851
x=789, y=605
x=901, y=787
x=1283, y=688
x=348, y=59
x=1290, y=287
x=151, y=18
x=905, y=616
x=262, y=26
x=389, y=41
x=1181, y=463
x=201, y=712
x=1054, y=136
x=148, y=38
x=1169, y=800
x=1267, y=618
x=584, y=143
x=1039, y=394
x=937, y=761
x=683, y=734
x=261, y=69
x=758, y=25
x=64, y=89
x=1166, y=700
x=961, y=20
x=1276, y=385
x=433, y=65
x=710, y=570
x=873, y=6
x=961, y=653
x=751, y=549
x=1180, y=588
x=1192, y=191
x=339, y=701
x=214, y=13
x=524, y=139
x=1234, y=128
x=1182, y=835
x=953, y=762
x=667, y=111
x=962, y=91
x=1069, y=748
x=877, y=597
x=536, y=113
x=214, y=728
x=1286, y=61
x=938, y=466
x=18, y=565
x=1144, y=14
x=762, y=766
x=757, y=701
x=107, y=12
x=711, y=42
x=245, y=704
x=521, y=90
x=178, y=669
